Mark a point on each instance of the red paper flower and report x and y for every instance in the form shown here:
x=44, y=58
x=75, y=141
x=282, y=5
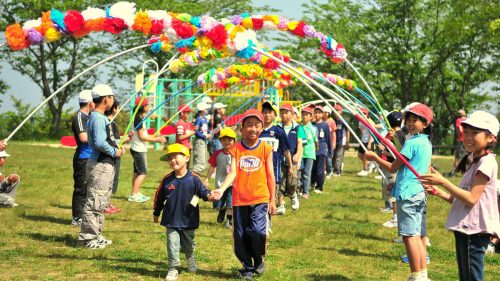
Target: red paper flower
x=184, y=30
x=271, y=64
x=114, y=25
x=257, y=23
x=74, y=21
x=218, y=36
x=156, y=27
x=299, y=30
x=16, y=38
x=183, y=50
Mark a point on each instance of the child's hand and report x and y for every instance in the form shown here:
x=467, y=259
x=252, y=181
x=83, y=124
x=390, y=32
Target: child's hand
x=3, y=145
x=434, y=178
x=155, y=219
x=211, y=198
x=370, y=155
x=161, y=140
x=13, y=179
x=431, y=189
x=216, y=193
x=272, y=208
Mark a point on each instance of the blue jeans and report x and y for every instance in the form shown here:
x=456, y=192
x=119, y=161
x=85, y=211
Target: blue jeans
x=410, y=212
x=306, y=174
x=470, y=255
x=329, y=165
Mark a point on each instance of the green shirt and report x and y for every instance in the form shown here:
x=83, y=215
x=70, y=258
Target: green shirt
x=310, y=143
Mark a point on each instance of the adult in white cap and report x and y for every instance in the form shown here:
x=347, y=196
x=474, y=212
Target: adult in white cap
x=217, y=124
x=82, y=154
x=8, y=185
x=201, y=137
x=473, y=216
x=100, y=170
x=206, y=100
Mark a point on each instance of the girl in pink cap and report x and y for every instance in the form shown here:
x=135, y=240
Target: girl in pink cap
x=474, y=214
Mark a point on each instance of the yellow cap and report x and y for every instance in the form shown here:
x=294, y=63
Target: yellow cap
x=178, y=148
x=227, y=132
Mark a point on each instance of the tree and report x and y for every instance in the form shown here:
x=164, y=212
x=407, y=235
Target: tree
x=433, y=51
x=52, y=65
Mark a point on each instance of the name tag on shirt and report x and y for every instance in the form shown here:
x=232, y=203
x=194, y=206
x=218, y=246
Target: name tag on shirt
x=195, y=200
x=321, y=133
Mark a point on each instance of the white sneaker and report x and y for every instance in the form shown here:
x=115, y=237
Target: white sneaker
x=76, y=221
x=172, y=275
x=398, y=240
x=281, y=210
x=295, y=203
x=390, y=224
x=371, y=167
x=362, y=173
x=318, y=191
x=386, y=210
x=103, y=240
x=490, y=249
x=428, y=242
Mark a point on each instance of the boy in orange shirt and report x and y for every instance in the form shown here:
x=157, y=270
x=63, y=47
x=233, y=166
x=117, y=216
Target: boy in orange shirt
x=253, y=194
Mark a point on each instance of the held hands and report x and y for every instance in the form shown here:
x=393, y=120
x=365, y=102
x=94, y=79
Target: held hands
x=216, y=194
x=13, y=179
x=120, y=152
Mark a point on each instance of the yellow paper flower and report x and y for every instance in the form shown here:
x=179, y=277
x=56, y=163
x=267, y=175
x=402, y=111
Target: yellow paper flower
x=52, y=35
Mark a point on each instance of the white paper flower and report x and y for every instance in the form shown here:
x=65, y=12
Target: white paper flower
x=93, y=13
x=124, y=11
x=31, y=24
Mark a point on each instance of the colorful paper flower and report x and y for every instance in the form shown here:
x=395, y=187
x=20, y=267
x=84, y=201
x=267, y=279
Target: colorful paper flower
x=114, y=25
x=74, y=22
x=16, y=38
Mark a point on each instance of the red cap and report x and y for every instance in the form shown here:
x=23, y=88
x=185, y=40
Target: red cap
x=319, y=107
x=422, y=110
x=184, y=108
x=253, y=112
x=143, y=103
x=337, y=107
x=308, y=109
x=287, y=106
x=364, y=110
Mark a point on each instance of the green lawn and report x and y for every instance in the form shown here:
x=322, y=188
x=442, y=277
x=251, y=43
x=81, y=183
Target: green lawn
x=334, y=236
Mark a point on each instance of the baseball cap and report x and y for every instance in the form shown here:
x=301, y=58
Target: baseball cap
x=409, y=106
x=178, y=148
x=219, y=105
x=422, y=110
x=270, y=105
x=202, y=106
x=4, y=154
x=184, y=108
x=364, y=110
x=227, y=132
x=483, y=120
x=101, y=90
x=143, y=103
x=308, y=109
x=85, y=96
x=337, y=107
x=319, y=107
x=286, y=106
x=253, y=112
x=206, y=100
x=327, y=109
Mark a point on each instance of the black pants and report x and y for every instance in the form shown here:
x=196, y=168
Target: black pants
x=80, y=188
x=318, y=171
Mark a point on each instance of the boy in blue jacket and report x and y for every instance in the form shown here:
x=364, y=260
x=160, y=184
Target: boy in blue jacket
x=178, y=196
x=323, y=151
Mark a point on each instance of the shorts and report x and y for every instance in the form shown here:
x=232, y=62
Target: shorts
x=140, y=163
x=460, y=150
x=361, y=150
x=410, y=212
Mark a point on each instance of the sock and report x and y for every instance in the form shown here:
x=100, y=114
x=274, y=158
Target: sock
x=423, y=272
x=416, y=275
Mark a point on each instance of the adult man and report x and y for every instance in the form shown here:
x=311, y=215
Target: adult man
x=100, y=170
x=82, y=154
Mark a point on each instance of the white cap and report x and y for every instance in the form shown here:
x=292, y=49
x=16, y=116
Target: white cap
x=408, y=106
x=483, y=120
x=206, y=100
x=202, y=106
x=3, y=153
x=101, y=90
x=219, y=105
x=85, y=96
x=327, y=109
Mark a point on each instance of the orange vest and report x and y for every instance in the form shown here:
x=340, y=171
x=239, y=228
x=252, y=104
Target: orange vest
x=250, y=186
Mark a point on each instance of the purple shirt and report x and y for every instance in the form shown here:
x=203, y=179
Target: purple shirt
x=483, y=216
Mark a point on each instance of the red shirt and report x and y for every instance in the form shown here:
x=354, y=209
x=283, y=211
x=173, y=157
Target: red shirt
x=460, y=129
x=181, y=129
x=250, y=186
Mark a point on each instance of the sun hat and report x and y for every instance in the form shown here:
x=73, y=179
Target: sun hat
x=483, y=120
x=206, y=100
x=85, y=96
x=286, y=106
x=319, y=107
x=101, y=90
x=270, y=105
x=219, y=105
x=308, y=109
x=227, y=132
x=177, y=148
x=4, y=153
x=338, y=106
x=327, y=109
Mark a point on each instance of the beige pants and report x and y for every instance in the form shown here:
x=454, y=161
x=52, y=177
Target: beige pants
x=99, y=181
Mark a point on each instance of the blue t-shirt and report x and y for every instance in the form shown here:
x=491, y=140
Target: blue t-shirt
x=276, y=137
x=340, y=131
x=324, y=139
x=100, y=139
x=202, y=128
x=173, y=198
x=418, y=151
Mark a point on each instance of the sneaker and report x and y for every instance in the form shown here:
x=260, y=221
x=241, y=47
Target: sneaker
x=261, y=268
x=318, y=191
x=103, y=240
x=329, y=175
x=172, y=275
x=490, y=249
x=281, y=210
x=428, y=242
x=390, y=224
x=337, y=174
x=138, y=198
x=362, y=173
x=221, y=215
x=379, y=177
x=111, y=210
x=76, y=221
x=144, y=196
x=295, y=203
x=93, y=244
x=191, y=264
x=398, y=240
x=15, y=205
x=245, y=275
x=305, y=196
x=371, y=167
x=385, y=210
x=229, y=224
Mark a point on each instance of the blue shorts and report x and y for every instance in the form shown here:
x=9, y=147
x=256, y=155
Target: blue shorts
x=410, y=212
x=140, y=162
x=226, y=201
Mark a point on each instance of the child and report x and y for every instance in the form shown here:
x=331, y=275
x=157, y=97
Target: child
x=221, y=159
x=342, y=136
x=139, y=150
x=253, y=194
x=366, y=139
x=8, y=185
x=309, y=155
x=202, y=135
x=408, y=191
x=184, y=129
x=178, y=196
x=324, y=150
x=115, y=133
x=474, y=212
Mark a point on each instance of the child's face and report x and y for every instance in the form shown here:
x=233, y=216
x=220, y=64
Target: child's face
x=251, y=129
x=285, y=115
x=476, y=140
x=2, y=161
x=269, y=115
x=415, y=124
x=177, y=161
x=185, y=115
x=318, y=115
x=227, y=142
x=306, y=117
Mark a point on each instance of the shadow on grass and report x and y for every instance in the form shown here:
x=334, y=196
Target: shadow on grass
x=60, y=206
x=67, y=239
x=370, y=237
x=50, y=219
x=105, y=258
x=162, y=271
x=356, y=253
x=329, y=277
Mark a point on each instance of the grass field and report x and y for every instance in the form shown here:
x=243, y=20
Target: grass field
x=334, y=236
